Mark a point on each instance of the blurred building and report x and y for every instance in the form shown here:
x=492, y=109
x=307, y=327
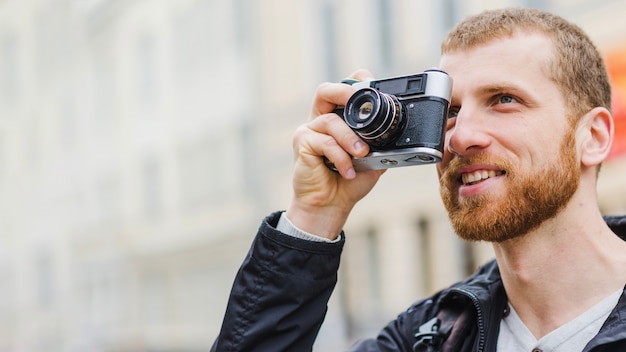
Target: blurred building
x=142, y=142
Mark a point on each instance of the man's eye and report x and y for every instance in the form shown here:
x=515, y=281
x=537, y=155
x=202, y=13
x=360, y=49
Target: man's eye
x=453, y=112
x=505, y=99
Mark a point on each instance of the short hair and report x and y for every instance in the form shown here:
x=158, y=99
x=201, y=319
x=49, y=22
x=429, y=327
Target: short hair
x=577, y=68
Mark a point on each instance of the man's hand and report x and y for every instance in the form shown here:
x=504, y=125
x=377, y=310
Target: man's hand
x=323, y=198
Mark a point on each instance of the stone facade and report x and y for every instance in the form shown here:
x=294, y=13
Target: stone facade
x=141, y=143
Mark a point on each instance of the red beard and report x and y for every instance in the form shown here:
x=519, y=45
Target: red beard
x=532, y=196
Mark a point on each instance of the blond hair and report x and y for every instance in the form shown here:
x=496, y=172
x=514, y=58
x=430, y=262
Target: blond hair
x=577, y=66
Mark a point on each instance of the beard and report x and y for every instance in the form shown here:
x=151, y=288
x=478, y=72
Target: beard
x=531, y=197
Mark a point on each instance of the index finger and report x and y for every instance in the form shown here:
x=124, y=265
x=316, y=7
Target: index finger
x=362, y=75
x=331, y=95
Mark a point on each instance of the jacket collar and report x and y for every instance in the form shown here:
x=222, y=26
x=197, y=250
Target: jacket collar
x=617, y=223
x=486, y=291
x=613, y=329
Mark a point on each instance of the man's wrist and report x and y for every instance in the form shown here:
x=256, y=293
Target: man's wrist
x=327, y=224
x=287, y=227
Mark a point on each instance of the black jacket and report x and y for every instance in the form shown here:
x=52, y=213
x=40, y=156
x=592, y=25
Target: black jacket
x=280, y=294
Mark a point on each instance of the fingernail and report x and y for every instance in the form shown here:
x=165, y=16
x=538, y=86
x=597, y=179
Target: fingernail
x=358, y=146
x=350, y=174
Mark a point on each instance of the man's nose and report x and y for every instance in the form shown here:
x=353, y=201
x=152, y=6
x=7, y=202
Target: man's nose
x=468, y=135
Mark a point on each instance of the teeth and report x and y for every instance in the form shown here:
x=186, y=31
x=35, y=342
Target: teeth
x=479, y=175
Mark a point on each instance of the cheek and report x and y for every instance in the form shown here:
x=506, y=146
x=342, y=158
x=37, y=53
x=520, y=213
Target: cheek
x=543, y=153
x=445, y=160
x=446, y=147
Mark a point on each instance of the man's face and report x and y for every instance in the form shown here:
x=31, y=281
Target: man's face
x=510, y=160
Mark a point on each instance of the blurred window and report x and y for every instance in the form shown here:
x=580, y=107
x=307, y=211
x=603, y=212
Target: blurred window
x=151, y=176
x=425, y=253
x=9, y=84
x=108, y=201
x=385, y=31
x=147, y=70
x=45, y=279
x=329, y=33
x=196, y=173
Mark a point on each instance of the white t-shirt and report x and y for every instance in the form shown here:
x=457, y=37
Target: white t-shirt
x=573, y=336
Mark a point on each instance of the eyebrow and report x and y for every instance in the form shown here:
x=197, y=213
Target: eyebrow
x=498, y=87
x=494, y=88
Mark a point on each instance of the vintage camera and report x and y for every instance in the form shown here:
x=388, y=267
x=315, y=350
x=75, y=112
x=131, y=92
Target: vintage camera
x=402, y=119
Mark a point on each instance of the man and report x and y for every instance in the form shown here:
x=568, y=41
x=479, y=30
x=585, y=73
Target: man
x=528, y=129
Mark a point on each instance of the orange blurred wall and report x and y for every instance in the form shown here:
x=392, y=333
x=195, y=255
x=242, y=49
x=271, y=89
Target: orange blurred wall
x=616, y=65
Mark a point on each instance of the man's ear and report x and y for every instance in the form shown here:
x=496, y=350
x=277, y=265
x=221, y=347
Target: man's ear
x=596, y=130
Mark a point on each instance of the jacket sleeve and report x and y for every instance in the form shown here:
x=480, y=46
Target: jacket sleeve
x=280, y=294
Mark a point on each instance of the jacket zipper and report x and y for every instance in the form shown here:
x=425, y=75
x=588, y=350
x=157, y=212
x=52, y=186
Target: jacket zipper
x=479, y=315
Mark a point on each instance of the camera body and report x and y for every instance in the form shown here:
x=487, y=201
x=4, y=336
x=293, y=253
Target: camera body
x=402, y=119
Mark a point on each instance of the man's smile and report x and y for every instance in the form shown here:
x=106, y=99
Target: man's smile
x=474, y=177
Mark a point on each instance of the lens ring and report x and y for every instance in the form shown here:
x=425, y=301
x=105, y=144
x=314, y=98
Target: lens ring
x=389, y=113
x=353, y=113
x=375, y=116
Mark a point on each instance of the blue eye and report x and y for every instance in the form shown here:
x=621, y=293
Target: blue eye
x=505, y=99
x=453, y=112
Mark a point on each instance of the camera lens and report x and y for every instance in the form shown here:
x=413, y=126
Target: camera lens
x=375, y=116
x=365, y=110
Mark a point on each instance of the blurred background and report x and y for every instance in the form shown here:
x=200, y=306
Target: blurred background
x=143, y=141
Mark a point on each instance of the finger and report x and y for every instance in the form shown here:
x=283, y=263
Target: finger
x=345, y=137
x=362, y=75
x=310, y=146
x=330, y=95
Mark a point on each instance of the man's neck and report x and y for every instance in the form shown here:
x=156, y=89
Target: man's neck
x=558, y=271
